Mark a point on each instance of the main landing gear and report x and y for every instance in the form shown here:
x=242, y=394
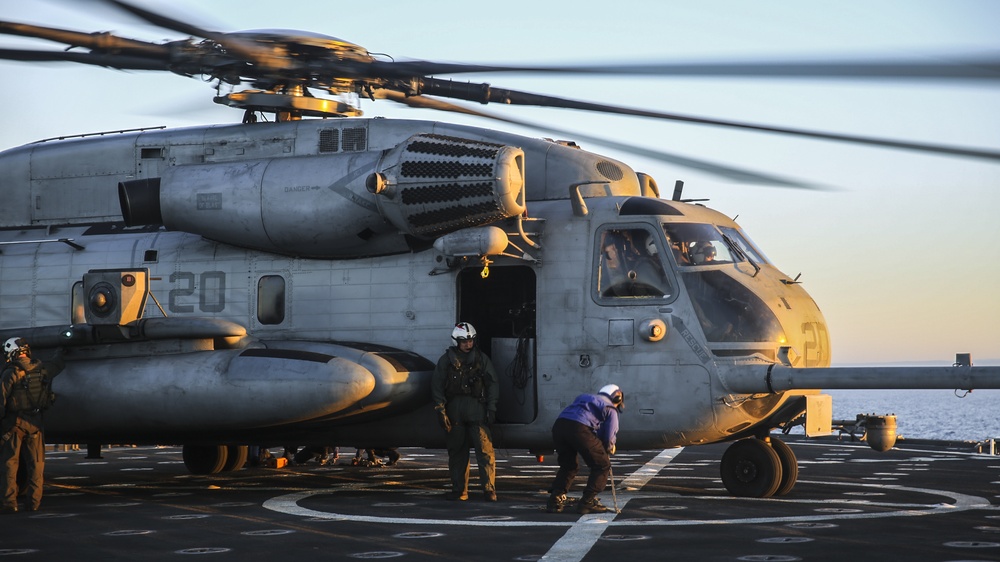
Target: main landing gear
x=759, y=468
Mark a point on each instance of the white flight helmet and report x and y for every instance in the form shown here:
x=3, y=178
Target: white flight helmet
x=463, y=331
x=615, y=394
x=13, y=346
x=651, y=246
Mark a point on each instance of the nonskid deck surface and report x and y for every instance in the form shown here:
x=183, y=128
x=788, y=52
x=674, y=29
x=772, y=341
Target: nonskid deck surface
x=916, y=502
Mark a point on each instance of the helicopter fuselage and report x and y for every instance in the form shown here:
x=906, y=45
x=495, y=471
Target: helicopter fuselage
x=551, y=313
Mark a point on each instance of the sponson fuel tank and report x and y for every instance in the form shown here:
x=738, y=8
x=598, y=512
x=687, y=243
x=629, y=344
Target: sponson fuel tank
x=213, y=393
x=325, y=205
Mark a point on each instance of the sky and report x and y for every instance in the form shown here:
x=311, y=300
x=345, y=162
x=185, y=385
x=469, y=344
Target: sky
x=902, y=256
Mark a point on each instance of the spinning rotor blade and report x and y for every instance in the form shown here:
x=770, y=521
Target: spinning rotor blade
x=964, y=68
x=483, y=93
x=121, y=62
x=719, y=170
x=103, y=42
x=165, y=22
x=247, y=50
x=280, y=62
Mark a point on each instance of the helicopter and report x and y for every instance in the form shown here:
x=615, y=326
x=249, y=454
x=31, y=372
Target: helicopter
x=292, y=281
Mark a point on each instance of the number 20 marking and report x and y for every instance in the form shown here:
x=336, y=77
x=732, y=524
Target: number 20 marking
x=211, y=289
x=816, y=345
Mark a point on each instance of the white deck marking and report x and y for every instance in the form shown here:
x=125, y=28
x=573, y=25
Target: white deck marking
x=580, y=538
x=584, y=532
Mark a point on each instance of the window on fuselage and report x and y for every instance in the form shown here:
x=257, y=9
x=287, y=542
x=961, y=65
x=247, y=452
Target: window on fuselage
x=271, y=299
x=629, y=265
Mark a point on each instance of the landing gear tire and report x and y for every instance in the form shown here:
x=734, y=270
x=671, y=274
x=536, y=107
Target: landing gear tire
x=236, y=457
x=205, y=459
x=789, y=466
x=751, y=469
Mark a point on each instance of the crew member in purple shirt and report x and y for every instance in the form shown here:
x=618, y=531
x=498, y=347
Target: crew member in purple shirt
x=588, y=427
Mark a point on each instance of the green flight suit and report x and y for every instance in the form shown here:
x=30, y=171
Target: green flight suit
x=21, y=429
x=466, y=385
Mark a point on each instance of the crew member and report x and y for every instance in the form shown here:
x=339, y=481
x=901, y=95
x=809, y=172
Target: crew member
x=465, y=392
x=704, y=253
x=588, y=427
x=25, y=393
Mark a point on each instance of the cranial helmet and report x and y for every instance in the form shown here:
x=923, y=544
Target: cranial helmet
x=615, y=394
x=704, y=252
x=463, y=331
x=651, y=246
x=13, y=346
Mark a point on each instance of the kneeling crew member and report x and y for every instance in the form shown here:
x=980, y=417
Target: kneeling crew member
x=588, y=427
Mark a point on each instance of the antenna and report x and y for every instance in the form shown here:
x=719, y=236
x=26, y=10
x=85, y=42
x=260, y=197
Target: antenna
x=678, y=189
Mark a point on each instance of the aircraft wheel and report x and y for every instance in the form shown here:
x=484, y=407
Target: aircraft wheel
x=205, y=459
x=236, y=457
x=789, y=466
x=751, y=468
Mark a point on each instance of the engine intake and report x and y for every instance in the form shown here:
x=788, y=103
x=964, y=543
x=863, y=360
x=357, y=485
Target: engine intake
x=325, y=205
x=435, y=184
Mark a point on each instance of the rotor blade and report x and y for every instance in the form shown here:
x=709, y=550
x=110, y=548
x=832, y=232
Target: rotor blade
x=974, y=68
x=483, y=93
x=719, y=170
x=105, y=42
x=248, y=50
x=121, y=62
x=163, y=21
x=981, y=68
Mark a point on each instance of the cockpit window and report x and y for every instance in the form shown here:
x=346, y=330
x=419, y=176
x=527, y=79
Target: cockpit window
x=629, y=265
x=697, y=244
x=728, y=311
x=745, y=244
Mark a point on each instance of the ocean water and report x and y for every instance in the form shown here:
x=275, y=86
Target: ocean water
x=926, y=414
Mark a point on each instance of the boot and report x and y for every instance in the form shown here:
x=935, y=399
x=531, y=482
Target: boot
x=590, y=505
x=393, y=457
x=556, y=503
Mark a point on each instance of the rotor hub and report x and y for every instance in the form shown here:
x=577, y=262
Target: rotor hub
x=287, y=106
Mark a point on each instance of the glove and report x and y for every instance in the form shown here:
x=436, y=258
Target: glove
x=491, y=416
x=611, y=449
x=443, y=418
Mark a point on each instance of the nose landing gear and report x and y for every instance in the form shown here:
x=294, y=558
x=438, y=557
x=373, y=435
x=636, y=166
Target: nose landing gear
x=759, y=468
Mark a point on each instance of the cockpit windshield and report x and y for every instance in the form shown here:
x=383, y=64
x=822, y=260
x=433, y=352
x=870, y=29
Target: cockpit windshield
x=727, y=309
x=744, y=244
x=697, y=244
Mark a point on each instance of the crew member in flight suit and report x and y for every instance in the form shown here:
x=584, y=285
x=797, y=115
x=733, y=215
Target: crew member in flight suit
x=588, y=427
x=465, y=392
x=25, y=393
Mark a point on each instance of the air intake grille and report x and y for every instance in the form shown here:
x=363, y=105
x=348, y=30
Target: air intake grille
x=444, y=192
x=356, y=139
x=445, y=183
x=479, y=150
x=446, y=169
x=329, y=140
x=610, y=170
x=458, y=216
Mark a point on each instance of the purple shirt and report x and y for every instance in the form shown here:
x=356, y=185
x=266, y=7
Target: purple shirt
x=596, y=412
